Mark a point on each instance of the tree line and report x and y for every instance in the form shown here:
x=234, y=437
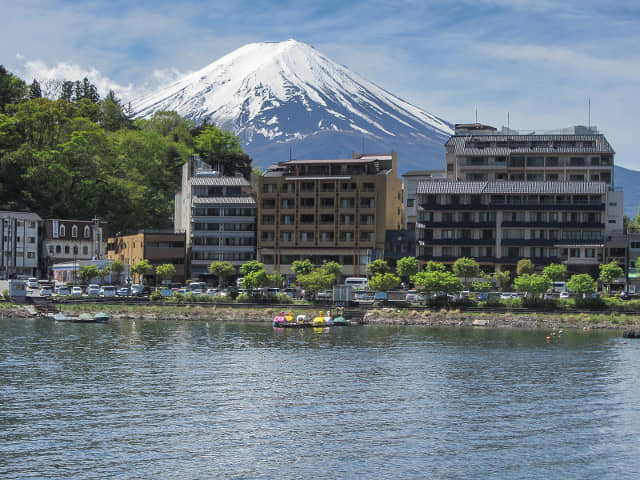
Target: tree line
x=79, y=155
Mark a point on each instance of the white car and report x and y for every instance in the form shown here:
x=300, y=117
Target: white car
x=46, y=291
x=93, y=289
x=32, y=282
x=414, y=297
x=509, y=296
x=62, y=290
x=76, y=291
x=108, y=291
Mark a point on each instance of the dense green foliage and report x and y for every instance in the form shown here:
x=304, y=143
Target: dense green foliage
x=222, y=270
x=407, y=267
x=81, y=156
x=383, y=282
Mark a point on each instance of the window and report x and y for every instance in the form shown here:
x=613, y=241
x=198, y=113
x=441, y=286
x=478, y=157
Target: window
x=268, y=219
x=326, y=219
x=32, y=239
x=269, y=188
x=347, y=219
x=31, y=254
x=411, y=202
x=574, y=252
x=268, y=236
x=75, y=249
x=307, y=219
x=66, y=249
x=51, y=249
x=327, y=203
x=590, y=252
x=61, y=231
x=307, y=187
x=286, y=236
x=85, y=250
x=367, y=236
x=347, y=203
x=367, y=219
x=367, y=203
x=346, y=236
x=87, y=232
x=288, y=203
x=268, y=203
x=306, y=236
x=287, y=219
x=307, y=202
x=58, y=249
x=74, y=231
x=326, y=236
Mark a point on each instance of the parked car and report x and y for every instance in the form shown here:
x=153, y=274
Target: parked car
x=123, y=292
x=93, y=289
x=32, y=282
x=324, y=295
x=62, y=290
x=509, y=296
x=380, y=297
x=180, y=291
x=564, y=295
x=137, y=289
x=363, y=296
x=46, y=291
x=108, y=291
x=76, y=291
x=415, y=297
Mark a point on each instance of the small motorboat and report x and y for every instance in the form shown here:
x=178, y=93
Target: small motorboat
x=340, y=321
x=101, y=317
x=82, y=318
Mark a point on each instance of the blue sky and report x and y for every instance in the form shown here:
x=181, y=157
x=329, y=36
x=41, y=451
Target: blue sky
x=537, y=61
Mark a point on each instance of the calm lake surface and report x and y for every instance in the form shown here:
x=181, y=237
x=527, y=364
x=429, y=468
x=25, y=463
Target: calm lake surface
x=199, y=400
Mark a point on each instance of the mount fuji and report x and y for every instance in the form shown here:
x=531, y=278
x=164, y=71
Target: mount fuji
x=286, y=100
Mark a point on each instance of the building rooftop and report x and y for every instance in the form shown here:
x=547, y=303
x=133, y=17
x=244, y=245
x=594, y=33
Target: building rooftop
x=426, y=173
x=516, y=188
x=20, y=215
x=505, y=145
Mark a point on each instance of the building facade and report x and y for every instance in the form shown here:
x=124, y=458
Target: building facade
x=499, y=223
x=157, y=247
x=217, y=215
x=478, y=153
x=72, y=241
x=19, y=241
x=328, y=210
x=411, y=179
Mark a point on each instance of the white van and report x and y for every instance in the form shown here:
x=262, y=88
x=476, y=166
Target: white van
x=357, y=283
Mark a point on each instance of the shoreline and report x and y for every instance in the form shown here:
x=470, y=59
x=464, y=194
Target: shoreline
x=374, y=316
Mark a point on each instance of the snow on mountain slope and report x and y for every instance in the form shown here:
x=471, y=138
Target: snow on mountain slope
x=287, y=97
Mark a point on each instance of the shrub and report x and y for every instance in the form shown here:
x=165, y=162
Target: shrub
x=155, y=296
x=243, y=298
x=5, y=295
x=283, y=298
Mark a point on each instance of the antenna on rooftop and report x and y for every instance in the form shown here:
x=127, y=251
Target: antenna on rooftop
x=290, y=152
x=476, y=115
x=508, y=123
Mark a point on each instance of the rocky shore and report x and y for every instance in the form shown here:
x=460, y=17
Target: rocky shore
x=379, y=316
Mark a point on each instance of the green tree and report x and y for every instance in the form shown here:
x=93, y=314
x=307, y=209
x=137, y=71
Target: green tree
x=582, y=284
x=316, y=281
x=609, y=272
x=525, y=266
x=466, y=268
x=502, y=278
x=12, y=89
x=142, y=268
x=407, y=267
x=166, y=271
x=483, y=285
x=432, y=266
x=302, y=267
x=333, y=268
x=255, y=279
x=556, y=272
x=104, y=272
x=35, y=90
x=219, y=147
x=251, y=266
x=87, y=272
x=437, y=282
x=117, y=267
x=531, y=284
x=383, y=282
x=377, y=267
x=222, y=270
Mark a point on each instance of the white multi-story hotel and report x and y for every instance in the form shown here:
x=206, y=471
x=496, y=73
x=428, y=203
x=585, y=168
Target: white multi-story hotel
x=19, y=243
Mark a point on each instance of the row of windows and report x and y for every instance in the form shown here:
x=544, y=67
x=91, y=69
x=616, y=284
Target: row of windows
x=223, y=256
x=539, y=161
x=67, y=250
x=268, y=259
x=511, y=234
x=309, y=219
x=310, y=187
x=539, y=177
x=224, y=242
x=309, y=236
x=224, y=212
x=224, y=227
x=204, y=191
x=269, y=203
x=74, y=231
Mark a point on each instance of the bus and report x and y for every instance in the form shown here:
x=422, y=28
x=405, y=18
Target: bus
x=357, y=283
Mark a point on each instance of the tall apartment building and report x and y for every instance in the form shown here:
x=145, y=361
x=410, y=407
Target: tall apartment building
x=547, y=197
x=19, y=243
x=218, y=216
x=410, y=189
x=328, y=210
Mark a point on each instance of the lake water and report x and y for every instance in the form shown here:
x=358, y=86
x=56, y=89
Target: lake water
x=198, y=400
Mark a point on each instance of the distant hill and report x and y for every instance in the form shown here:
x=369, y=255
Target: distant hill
x=629, y=181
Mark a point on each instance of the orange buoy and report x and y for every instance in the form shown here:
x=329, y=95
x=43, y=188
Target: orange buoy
x=548, y=338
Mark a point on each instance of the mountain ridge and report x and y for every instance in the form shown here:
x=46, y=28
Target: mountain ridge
x=279, y=97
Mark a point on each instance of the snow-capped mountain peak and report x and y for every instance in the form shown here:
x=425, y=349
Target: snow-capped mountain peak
x=275, y=94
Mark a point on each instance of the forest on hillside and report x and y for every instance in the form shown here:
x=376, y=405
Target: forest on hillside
x=74, y=155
